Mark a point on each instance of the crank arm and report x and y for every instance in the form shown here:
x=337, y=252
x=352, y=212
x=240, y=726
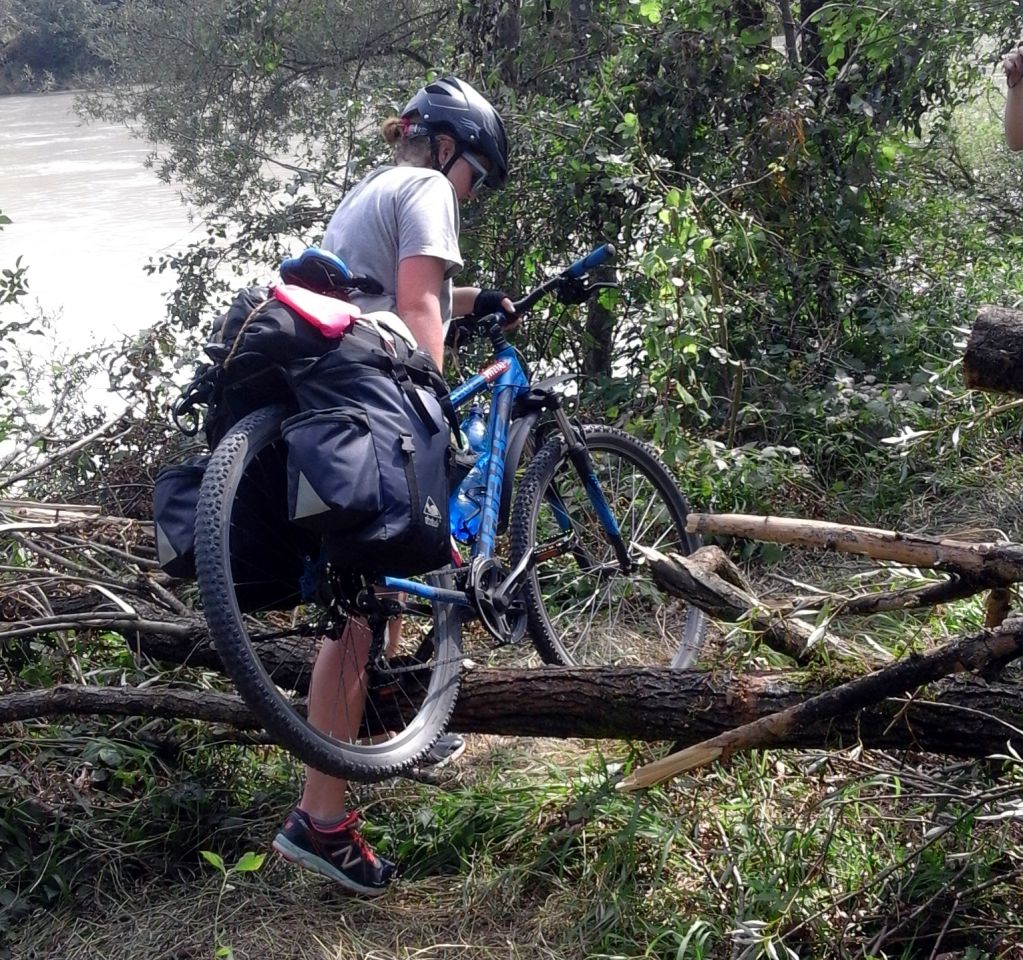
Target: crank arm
x=513, y=582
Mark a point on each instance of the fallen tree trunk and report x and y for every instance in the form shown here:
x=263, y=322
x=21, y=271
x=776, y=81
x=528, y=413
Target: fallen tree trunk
x=960, y=716
x=993, y=360
x=989, y=564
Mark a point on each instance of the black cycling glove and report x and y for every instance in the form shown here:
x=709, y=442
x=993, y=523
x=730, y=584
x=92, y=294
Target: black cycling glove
x=487, y=302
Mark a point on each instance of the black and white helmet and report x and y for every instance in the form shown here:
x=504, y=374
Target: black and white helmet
x=452, y=106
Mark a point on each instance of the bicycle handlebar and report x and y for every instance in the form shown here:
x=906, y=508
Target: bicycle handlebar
x=570, y=279
x=573, y=275
x=595, y=258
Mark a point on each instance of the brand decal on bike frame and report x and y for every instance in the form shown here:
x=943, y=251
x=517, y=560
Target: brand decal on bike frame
x=491, y=373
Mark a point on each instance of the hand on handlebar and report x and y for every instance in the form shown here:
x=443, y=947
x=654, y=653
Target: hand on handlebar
x=573, y=285
x=490, y=301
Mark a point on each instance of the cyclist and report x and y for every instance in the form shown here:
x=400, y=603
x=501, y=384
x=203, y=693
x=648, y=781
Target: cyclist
x=400, y=226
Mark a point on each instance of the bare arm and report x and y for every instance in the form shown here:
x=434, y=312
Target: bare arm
x=1013, y=65
x=418, y=302
x=462, y=300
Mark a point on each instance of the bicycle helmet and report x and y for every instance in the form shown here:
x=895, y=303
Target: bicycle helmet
x=452, y=106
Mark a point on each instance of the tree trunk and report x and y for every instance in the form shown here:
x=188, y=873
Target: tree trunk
x=599, y=339
x=961, y=716
x=991, y=564
x=994, y=353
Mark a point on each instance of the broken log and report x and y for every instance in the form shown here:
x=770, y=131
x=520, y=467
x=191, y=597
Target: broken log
x=709, y=580
x=960, y=716
x=993, y=360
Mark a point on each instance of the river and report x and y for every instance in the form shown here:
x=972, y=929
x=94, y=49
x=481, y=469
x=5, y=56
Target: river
x=88, y=215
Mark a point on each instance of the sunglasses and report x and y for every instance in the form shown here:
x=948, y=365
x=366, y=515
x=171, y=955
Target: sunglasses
x=481, y=173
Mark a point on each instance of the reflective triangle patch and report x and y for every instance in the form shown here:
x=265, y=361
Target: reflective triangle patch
x=307, y=500
x=165, y=552
x=431, y=514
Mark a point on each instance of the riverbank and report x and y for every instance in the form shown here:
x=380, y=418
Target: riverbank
x=20, y=86
x=20, y=77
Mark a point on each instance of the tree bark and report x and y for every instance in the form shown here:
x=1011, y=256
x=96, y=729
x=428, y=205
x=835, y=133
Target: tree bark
x=977, y=653
x=960, y=716
x=989, y=564
x=993, y=360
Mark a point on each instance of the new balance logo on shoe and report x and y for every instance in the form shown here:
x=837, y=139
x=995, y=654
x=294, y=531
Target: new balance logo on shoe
x=352, y=857
x=339, y=853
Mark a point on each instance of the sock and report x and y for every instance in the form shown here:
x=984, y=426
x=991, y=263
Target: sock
x=326, y=826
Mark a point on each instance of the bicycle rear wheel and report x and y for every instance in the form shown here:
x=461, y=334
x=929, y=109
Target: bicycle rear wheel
x=582, y=609
x=272, y=596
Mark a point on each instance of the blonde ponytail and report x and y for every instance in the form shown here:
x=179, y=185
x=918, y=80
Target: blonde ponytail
x=414, y=152
x=390, y=129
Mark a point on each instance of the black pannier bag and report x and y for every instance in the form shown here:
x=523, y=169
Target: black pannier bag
x=251, y=345
x=175, y=494
x=269, y=555
x=368, y=455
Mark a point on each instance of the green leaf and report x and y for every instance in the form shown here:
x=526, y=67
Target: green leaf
x=111, y=757
x=214, y=859
x=650, y=10
x=250, y=861
x=629, y=126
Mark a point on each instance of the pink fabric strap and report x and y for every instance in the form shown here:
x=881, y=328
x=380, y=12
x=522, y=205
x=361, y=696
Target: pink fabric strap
x=332, y=317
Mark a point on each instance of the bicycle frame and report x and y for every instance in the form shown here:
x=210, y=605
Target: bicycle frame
x=508, y=380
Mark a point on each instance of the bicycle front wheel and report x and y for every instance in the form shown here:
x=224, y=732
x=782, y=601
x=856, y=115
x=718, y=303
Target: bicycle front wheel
x=582, y=608
x=272, y=597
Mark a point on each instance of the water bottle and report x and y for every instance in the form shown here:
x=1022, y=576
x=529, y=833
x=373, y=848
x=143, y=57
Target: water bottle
x=467, y=501
x=475, y=428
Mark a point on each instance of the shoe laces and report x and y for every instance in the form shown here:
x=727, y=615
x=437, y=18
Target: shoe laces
x=364, y=848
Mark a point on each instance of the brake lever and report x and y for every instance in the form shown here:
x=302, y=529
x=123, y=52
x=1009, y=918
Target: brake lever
x=572, y=291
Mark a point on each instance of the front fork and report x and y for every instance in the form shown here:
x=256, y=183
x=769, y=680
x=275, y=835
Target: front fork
x=581, y=460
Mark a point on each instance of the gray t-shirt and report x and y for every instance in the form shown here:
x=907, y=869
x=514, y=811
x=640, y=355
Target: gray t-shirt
x=394, y=213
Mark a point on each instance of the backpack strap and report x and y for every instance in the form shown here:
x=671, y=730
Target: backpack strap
x=401, y=376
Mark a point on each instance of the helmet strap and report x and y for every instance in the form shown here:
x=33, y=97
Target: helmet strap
x=447, y=166
x=459, y=150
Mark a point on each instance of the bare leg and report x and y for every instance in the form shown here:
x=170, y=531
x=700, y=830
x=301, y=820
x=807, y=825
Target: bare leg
x=337, y=697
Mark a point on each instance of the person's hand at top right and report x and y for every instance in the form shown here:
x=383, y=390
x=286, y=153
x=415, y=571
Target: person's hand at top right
x=1013, y=65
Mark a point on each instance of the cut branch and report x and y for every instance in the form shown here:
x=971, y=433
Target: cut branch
x=991, y=564
x=975, y=653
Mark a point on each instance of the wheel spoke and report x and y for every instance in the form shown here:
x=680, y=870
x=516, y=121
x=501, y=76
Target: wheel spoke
x=588, y=611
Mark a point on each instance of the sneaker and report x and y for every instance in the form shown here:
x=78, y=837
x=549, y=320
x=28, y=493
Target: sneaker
x=339, y=853
x=449, y=746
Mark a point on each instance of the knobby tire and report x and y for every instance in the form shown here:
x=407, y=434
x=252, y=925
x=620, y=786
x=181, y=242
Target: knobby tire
x=581, y=609
x=253, y=644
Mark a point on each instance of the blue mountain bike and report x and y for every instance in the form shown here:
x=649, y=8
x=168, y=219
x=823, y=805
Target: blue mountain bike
x=572, y=581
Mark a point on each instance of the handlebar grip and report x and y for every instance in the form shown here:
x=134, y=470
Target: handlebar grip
x=595, y=258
